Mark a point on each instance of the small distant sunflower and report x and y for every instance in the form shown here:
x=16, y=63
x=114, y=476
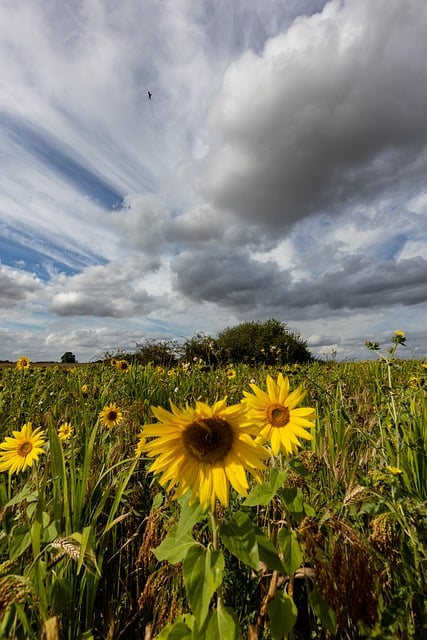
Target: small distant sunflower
x=19, y=452
x=275, y=413
x=204, y=449
x=65, y=431
x=23, y=363
x=230, y=373
x=110, y=416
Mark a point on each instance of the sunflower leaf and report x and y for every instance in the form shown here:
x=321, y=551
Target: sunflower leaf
x=292, y=556
x=178, y=630
x=202, y=570
x=174, y=546
x=239, y=535
x=282, y=613
x=223, y=625
x=262, y=494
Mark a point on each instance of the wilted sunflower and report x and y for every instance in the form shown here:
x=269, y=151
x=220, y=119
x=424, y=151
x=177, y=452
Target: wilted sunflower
x=65, y=431
x=23, y=363
x=275, y=413
x=110, y=416
x=203, y=449
x=19, y=452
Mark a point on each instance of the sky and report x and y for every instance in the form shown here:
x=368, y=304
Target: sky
x=278, y=171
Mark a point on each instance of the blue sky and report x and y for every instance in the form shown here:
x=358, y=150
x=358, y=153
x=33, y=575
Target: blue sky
x=279, y=171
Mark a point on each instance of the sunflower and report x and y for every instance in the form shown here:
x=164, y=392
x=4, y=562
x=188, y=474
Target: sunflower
x=110, y=416
x=19, y=452
x=65, y=431
x=123, y=365
x=276, y=414
x=204, y=449
x=23, y=363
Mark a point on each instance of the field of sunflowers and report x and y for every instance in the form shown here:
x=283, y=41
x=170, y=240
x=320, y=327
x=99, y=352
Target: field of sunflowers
x=214, y=503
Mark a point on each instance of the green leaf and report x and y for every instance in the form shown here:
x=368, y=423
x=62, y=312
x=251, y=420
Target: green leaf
x=293, y=499
x=21, y=540
x=262, y=494
x=292, y=556
x=190, y=514
x=181, y=628
x=268, y=552
x=202, y=570
x=282, y=613
x=323, y=611
x=174, y=547
x=26, y=494
x=239, y=536
x=223, y=625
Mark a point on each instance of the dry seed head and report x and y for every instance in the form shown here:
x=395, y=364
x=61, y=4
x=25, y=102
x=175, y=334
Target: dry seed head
x=14, y=589
x=67, y=546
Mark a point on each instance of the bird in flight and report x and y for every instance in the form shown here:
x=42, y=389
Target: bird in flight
x=149, y=95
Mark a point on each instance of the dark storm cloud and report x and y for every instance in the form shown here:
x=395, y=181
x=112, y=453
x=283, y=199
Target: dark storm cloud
x=239, y=283
x=330, y=114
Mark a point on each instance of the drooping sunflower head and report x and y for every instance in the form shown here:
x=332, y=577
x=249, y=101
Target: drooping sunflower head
x=204, y=450
x=20, y=451
x=23, y=363
x=65, y=431
x=110, y=416
x=276, y=414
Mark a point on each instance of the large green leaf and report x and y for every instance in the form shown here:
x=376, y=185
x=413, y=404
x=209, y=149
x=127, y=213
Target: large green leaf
x=282, y=613
x=292, y=556
x=174, y=546
x=262, y=494
x=202, y=570
x=223, y=625
x=239, y=535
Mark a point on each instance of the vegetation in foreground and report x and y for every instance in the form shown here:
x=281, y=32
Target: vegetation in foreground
x=109, y=531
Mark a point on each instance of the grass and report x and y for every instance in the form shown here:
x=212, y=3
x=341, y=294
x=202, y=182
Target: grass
x=79, y=528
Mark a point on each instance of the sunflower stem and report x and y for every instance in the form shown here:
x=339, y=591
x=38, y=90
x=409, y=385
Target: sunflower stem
x=215, y=546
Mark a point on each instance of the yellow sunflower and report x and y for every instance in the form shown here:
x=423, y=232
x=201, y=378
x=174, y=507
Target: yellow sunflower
x=110, y=416
x=19, y=452
x=23, y=363
x=275, y=413
x=123, y=365
x=65, y=431
x=204, y=449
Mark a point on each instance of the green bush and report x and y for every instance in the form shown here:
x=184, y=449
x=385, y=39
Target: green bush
x=268, y=342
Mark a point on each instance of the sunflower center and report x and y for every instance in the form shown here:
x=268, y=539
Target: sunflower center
x=208, y=439
x=25, y=448
x=112, y=416
x=278, y=415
